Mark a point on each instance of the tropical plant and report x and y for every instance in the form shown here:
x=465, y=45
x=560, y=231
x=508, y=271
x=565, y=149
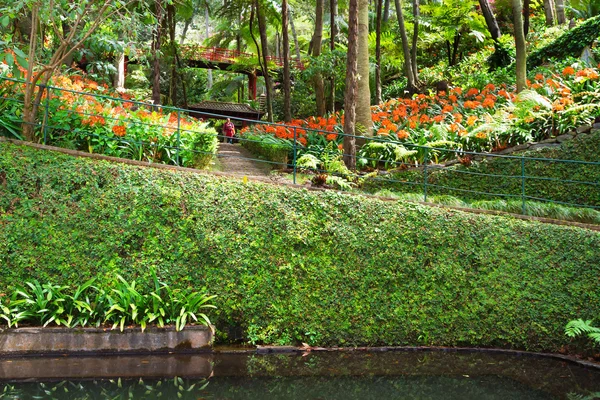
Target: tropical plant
x=580, y=327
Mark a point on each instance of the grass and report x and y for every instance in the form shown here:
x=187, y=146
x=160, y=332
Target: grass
x=532, y=208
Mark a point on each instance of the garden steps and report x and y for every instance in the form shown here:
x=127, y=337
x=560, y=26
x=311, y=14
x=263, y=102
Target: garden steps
x=236, y=160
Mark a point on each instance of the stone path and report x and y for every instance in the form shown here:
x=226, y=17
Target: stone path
x=234, y=159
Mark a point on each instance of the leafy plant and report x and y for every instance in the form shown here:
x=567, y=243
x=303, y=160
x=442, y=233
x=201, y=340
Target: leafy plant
x=580, y=327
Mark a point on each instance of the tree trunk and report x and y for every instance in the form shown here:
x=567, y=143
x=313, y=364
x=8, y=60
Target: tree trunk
x=173, y=59
x=351, y=87
x=386, y=11
x=413, y=51
x=378, y=97
x=549, y=11
x=287, y=86
x=209, y=77
x=526, y=17
x=408, y=68
x=490, y=19
x=560, y=12
x=317, y=40
x=29, y=114
x=520, y=45
x=156, y=39
x=186, y=26
x=294, y=35
x=333, y=10
x=264, y=44
x=119, y=81
x=363, y=103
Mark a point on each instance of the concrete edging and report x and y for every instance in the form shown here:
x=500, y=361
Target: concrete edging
x=59, y=340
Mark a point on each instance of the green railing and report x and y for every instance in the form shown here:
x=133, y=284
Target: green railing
x=168, y=136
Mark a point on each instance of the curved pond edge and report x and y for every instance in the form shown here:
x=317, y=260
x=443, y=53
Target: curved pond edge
x=294, y=349
x=72, y=341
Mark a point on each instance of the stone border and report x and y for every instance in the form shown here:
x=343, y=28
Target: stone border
x=277, y=182
x=59, y=340
x=294, y=349
x=26, y=369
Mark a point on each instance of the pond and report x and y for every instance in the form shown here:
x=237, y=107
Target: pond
x=312, y=375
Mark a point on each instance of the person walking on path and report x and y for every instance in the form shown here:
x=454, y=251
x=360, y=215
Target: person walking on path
x=229, y=131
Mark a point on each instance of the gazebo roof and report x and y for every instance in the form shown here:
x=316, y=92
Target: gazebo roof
x=226, y=109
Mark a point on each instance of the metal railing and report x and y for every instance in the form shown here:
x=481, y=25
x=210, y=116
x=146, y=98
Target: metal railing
x=491, y=176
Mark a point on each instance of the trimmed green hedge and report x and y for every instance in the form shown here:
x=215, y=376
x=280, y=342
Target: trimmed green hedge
x=571, y=43
x=292, y=265
x=268, y=147
x=505, y=176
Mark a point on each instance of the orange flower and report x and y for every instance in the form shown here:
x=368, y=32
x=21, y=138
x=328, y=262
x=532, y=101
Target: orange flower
x=471, y=120
x=402, y=134
x=438, y=118
x=568, y=71
x=424, y=119
x=119, y=130
x=472, y=92
x=331, y=136
x=481, y=135
x=489, y=103
x=448, y=108
x=539, y=77
x=458, y=118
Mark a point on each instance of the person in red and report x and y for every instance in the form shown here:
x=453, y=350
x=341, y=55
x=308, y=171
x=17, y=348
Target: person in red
x=229, y=131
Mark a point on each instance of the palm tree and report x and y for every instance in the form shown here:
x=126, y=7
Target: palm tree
x=351, y=87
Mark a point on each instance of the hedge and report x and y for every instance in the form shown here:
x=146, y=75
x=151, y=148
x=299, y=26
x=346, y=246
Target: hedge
x=571, y=43
x=274, y=150
x=503, y=180
x=291, y=265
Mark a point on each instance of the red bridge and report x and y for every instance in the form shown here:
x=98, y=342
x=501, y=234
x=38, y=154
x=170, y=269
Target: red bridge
x=214, y=55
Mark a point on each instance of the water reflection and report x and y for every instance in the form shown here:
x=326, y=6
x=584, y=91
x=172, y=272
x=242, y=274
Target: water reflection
x=351, y=375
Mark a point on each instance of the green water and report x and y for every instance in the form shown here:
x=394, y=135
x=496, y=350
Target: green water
x=347, y=376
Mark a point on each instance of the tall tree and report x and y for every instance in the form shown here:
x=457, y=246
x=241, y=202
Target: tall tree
x=351, y=87
x=550, y=12
x=379, y=11
x=316, y=42
x=287, y=84
x=408, y=67
x=156, y=41
x=333, y=11
x=415, y=38
x=264, y=44
x=83, y=25
x=490, y=19
x=294, y=35
x=520, y=45
x=560, y=11
x=363, y=102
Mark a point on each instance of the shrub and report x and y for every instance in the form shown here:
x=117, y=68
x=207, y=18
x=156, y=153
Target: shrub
x=269, y=148
x=570, y=43
x=292, y=265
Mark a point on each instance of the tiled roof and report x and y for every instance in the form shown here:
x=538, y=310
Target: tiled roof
x=217, y=106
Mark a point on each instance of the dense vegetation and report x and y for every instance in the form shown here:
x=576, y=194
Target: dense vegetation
x=294, y=266
x=495, y=177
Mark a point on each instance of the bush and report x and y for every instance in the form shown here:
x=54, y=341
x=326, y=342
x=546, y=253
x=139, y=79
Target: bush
x=555, y=181
x=571, y=43
x=292, y=266
x=269, y=148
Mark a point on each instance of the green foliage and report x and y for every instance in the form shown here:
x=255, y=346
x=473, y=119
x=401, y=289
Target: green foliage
x=571, y=43
x=120, y=303
x=580, y=327
x=384, y=154
x=494, y=178
x=268, y=147
x=294, y=266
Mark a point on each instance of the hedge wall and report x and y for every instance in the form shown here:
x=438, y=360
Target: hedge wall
x=571, y=43
x=292, y=265
x=463, y=182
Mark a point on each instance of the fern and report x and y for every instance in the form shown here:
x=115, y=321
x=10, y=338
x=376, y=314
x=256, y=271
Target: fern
x=580, y=327
x=533, y=98
x=308, y=161
x=340, y=182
